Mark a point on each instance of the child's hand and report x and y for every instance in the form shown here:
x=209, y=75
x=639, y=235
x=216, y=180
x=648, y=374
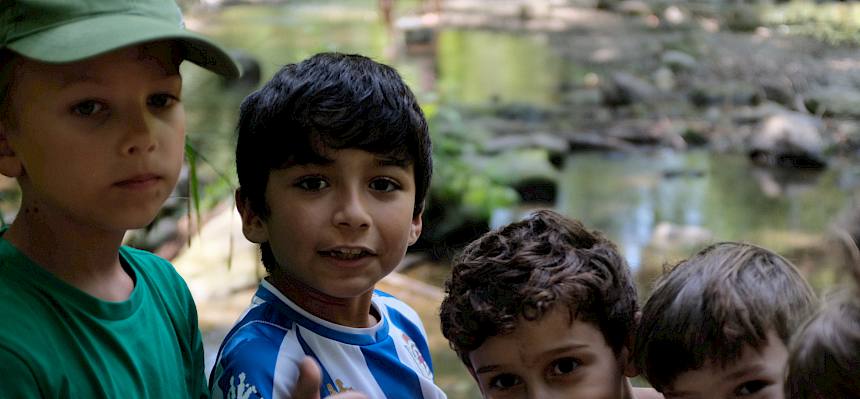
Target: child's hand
x=308, y=385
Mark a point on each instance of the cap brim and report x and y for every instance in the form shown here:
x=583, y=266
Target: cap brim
x=90, y=37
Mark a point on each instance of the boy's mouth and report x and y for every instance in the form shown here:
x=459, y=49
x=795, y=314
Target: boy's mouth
x=346, y=253
x=139, y=181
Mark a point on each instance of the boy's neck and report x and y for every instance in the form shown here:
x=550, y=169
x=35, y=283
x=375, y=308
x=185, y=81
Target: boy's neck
x=349, y=312
x=641, y=393
x=87, y=260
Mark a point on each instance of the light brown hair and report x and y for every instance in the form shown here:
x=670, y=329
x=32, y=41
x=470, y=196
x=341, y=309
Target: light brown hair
x=824, y=356
x=710, y=306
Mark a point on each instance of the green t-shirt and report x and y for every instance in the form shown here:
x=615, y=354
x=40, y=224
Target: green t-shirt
x=59, y=342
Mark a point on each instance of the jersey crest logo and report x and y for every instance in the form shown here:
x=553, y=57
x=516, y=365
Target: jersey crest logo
x=340, y=387
x=415, y=353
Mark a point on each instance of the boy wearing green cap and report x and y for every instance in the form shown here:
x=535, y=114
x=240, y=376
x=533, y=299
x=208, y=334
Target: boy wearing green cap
x=92, y=128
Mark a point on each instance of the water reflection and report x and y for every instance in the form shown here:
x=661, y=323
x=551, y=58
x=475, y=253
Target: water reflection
x=705, y=196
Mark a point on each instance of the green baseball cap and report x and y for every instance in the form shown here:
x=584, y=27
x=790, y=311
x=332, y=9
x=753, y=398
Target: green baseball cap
x=60, y=31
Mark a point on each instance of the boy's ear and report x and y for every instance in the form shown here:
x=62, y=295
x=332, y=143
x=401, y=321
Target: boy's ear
x=10, y=164
x=252, y=224
x=415, y=228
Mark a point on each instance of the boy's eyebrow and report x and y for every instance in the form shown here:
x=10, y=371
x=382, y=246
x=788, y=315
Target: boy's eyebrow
x=553, y=351
x=386, y=161
x=743, y=371
x=564, y=348
x=487, y=369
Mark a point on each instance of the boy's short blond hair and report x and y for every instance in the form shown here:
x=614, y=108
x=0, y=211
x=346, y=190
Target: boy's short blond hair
x=709, y=307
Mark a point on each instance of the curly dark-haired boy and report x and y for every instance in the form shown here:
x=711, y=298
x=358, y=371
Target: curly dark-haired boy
x=543, y=308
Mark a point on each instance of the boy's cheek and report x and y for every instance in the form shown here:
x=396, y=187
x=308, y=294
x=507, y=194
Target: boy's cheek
x=10, y=165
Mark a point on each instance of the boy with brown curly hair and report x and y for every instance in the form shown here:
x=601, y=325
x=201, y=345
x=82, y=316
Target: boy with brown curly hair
x=543, y=308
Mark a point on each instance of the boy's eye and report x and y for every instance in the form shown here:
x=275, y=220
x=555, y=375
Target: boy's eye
x=750, y=387
x=563, y=366
x=384, y=185
x=87, y=108
x=504, y=381
x=311, y=183
x=161, y=100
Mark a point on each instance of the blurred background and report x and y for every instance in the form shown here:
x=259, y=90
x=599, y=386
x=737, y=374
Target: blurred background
x=667, y=125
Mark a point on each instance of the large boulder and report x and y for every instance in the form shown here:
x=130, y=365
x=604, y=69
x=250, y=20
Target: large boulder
x=679, y=61
x=623, y=88
x=788, y=139
x=834, y=101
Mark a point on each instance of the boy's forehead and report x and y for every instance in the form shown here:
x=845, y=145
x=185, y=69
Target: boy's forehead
x=162, y=56
x=328, y=155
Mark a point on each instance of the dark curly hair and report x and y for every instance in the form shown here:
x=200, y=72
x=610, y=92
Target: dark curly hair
x=330, y=101
x=522, y=271
x=710, y=306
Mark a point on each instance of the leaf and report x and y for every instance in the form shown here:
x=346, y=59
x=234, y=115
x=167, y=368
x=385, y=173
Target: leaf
x=193, y=188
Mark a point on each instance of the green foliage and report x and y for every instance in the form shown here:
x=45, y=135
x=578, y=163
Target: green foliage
x=459, y=180
x=836, y=23
x=193, y=184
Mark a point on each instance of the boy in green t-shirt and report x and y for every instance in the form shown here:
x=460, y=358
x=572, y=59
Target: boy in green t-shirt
x=92, y=127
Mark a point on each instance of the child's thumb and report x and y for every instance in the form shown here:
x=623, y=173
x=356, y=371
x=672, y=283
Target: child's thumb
x=308, y=384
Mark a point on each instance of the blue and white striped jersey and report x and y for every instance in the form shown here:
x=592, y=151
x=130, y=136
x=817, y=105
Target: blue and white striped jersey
x=259, y=356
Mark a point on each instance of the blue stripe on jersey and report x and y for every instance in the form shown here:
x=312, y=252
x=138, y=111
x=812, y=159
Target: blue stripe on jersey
x=248, y=358
x=352, y=339
x=326, y=378
x=395, y=378
x=384, y=294
x=412, y=330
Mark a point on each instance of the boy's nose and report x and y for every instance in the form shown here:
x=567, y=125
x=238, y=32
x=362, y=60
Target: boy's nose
x=541, y=391
x=140, y=134
x=351, y=211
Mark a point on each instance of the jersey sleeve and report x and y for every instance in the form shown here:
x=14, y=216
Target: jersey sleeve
x=21, y=382
x=254, y=368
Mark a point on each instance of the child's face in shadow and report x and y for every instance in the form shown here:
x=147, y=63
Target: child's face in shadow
x=550, y=358
x=757, y=374
x=99, y=142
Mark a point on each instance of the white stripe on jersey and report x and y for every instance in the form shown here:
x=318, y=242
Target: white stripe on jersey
x=286, y=368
